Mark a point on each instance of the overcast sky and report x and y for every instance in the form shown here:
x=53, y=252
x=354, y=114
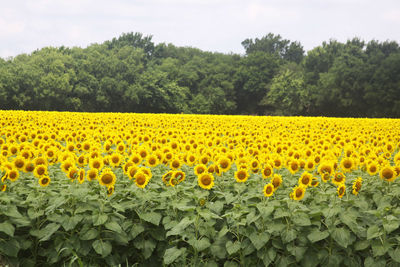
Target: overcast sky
x=212, y=25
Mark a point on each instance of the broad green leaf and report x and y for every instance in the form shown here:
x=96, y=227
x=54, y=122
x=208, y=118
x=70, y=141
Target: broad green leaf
x=89, y=235
x=265, y=212
x=48, y=231
x=148, y=247
x=361, y=244
x=113, y=226
x=7, y=228
x=102, y=248
x=379, y=248
x=289, y=235
x=232, y=247
x=391, y=225
x=136, y=230
x=201, y=244
x=301, y=219
x=341, y=236
x=259, y=239
x=317, y=235
x=395, y=254
x=99, y=219
x=218, y=249
x=373, y=232
x=69, y=223
x=180, y=227
x=9, y=248
x=151, y=217
x=172, y=254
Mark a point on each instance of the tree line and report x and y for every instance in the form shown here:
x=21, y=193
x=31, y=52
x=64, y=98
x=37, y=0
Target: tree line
x=273, y=77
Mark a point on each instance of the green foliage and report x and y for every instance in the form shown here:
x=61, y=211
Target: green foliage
x=132, y=74
x=232, y=224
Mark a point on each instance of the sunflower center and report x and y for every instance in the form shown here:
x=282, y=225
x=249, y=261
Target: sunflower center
x=141, y=180
x=40, y=171
x=206, y=180
x=372, y=169
x=305, y=180
x=347, y=164
x=107, y=178
x=387, y=173
x=267, y=172
x=19, y=164
x=299, y=192
x=268, y=190
x=115, y=159
x=96, y=164
x=45, y=180
x=12, y=175
x=241, y=175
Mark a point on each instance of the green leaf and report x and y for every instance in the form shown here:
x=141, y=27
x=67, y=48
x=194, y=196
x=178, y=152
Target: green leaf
x=48, y=231
x=289, y=235
x=113, y=226
x=148, y=248
x=280, y=213
x=232, y=247
x=218, y=249
x=201, y=244
x=265, y=212
x=7, y=228
x=89, y=235
x=172, y=254
x=301, y=219
x=69, y=223
x=395, y=254
x=102, y=248
x=317, y=235
x=361, y=244
x=390, y=226
x=99, y=219
x=151, y=217
x=9, y=248
x=341, y=236
x=180, y=227
x=259, y=239
x=136, y=230
x=373, y=232
x=379, y=249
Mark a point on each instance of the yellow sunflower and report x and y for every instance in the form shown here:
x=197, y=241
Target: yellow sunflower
x=92, y=174
x=13, y=175
x=387, y=173
x=276, y=180
x=107, y=177
x=241, y=175
x=206, y=180
x=267, y=171
x=339, y=178
x=305, y=179
x=44, y=181
x=268, y=190
x=341, y=190
x=200, y=168
x=357, y=184
x=298, y=193
x=141, y=179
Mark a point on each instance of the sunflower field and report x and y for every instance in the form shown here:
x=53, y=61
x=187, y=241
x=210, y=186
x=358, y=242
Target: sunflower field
x=119, y=189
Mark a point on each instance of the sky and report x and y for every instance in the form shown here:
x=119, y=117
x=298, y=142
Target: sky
x=211, y=25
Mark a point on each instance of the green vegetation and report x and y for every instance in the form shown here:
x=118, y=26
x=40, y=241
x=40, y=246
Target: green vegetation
x=274, y=76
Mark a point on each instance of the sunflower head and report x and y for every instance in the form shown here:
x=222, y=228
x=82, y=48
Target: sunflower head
x=241, y=175
x=341, y=190
x=387, y=173
x=92, y=174
x=206, y=180
x=276, y=180
x=141, y=179
x=298, y=193
x=44, y=181
x=107, y=177
x=268, y=190
x=305, y=179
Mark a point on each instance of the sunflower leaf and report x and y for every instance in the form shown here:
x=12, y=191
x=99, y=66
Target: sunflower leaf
x=172, y=254
x=7, y=228
x=102, y=248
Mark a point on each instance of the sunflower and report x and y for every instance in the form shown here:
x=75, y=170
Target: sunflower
x=44, y=181
x=206, y=180
x=173, y=182
x=387, y=173
x=305, y=179
x=241, y=175
x=298, y=193
x=115, y=160
x=81, y=176
x=166, y=177
x=141, y=179
x=224, y=163
x=13, y=175
x=41, y=160
x=19, y=162
x=204, y=159
x=40, y=171
x=314, y=182
x=347, y=164
x=294, y=166
x=211, y=168
x=310, y=165
x=277, y=162
x=135, y=158
x=269, y=190
x=372, y=168
x=325, y=167
x=152, y=161
x=132, y=171
x=143, y=152
x=276, y=180
x=339, y=178
x=191, y=159
x=179, y=176
x=73, y=173
x=66, y=165
x=341, y=190
x=92, y=174
x=267, y=171
x=175, y=164
x=357, y=186
x=29, y=166
x=200, y=168
x=107, y=177
x=3, y=187
x=110, y=190
x=146, y=171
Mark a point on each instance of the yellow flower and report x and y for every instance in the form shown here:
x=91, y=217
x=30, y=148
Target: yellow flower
x=269, y=190
x=298, y=193
x=267, y=171
x=206, y=180
x=141, y=179
x=341, y=190
x=44, y=181
x=305, y=179
x=241, y=175
x=107, y=177
x=387, y=173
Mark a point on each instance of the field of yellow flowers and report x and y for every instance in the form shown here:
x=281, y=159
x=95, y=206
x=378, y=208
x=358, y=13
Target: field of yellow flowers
x=151, y=189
